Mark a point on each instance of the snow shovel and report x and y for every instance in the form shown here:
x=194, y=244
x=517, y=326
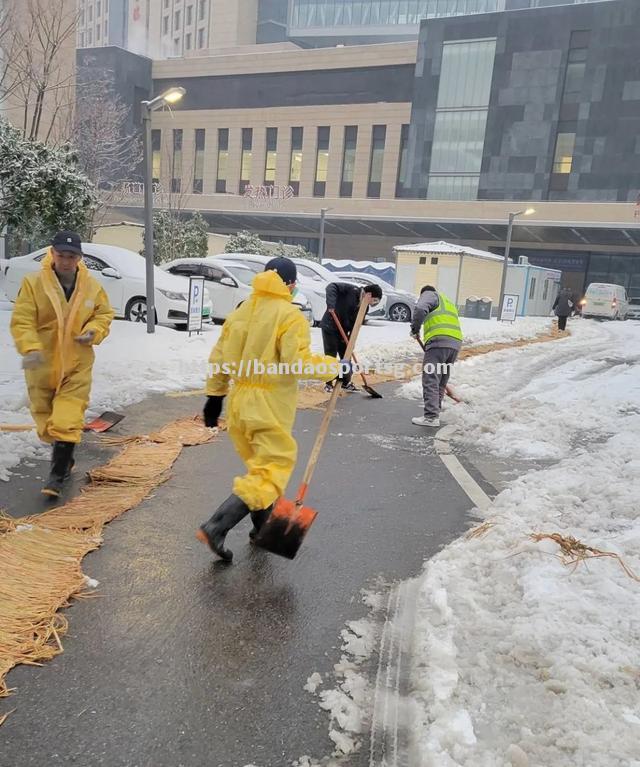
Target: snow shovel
x=289, y=522
x=448, y=390
x=370, y=391
x=103, y=422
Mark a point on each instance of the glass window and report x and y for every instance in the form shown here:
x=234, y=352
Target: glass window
x=348, y=160
x=223, y=160
x=106, y=29
x=165, y=25
x=295, y=166
x=165, y=4
x=458, y=141
x=271, y=157
x=246, y=159
x=545, y=291
x=187, y=41
x=156, y=137
x=99, y=8
x=453, y=187
x=176, y=21
x=573, y=80
x=403, y=170
x=201, y=9
x=90, y=38
x=98, y=33
x=93, y=263
x=466, y=74
x=322, y=162
x=176, y=163
x=201, y=38
x=563, y=156
x=189, y=20
x=378, y=138
x=198, y=162
x=532, y=288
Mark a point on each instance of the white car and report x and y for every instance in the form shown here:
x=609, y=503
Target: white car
x=399, y=304
x=227, y=287
x=256, y=264
x=605, y=301
x=310, y=279
x=121, y=273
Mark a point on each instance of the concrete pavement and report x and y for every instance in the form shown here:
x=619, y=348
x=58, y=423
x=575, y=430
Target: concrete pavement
x=182, y=661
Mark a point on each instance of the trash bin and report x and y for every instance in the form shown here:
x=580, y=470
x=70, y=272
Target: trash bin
x=471, y=307
x=484, y=308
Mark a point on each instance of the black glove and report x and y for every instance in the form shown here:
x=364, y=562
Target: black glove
x=212, y=410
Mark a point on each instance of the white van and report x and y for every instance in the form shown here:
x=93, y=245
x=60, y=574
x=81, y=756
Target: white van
x=605, y=301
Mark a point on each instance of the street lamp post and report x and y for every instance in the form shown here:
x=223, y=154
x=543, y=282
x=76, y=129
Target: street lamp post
x=505, y=263
x=323, y=215
x=171, y=96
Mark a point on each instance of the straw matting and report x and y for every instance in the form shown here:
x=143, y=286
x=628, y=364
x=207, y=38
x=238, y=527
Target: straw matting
x=41, y=555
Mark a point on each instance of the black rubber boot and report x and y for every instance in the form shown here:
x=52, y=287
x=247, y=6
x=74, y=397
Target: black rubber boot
x=61, y=464
x=215, y=530
x=259, y=518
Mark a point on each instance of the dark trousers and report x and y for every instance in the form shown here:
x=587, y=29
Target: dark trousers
x=437, y=365
x=562, y=323
x=335, y=346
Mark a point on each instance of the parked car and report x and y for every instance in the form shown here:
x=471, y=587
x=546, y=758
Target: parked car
x=307, y=294
x=399, y=305
x=122, y=273
x=227, y=287
x=634, y=309
x=228, y=283
x=314, y=287
x=605, y=301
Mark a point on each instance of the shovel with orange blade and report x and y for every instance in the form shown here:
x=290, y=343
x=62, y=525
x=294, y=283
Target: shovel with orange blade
x=289, y=522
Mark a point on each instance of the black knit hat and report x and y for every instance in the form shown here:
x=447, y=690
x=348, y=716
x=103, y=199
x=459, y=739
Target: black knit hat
x=285, y=267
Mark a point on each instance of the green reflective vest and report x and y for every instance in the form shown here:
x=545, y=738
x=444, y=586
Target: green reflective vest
x=442, y=321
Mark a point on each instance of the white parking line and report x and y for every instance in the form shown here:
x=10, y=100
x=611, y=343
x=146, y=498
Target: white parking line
x=472, y=489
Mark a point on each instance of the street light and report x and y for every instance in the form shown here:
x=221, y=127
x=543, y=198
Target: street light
x=171, y=96
x=323, y=214
x=505, y=263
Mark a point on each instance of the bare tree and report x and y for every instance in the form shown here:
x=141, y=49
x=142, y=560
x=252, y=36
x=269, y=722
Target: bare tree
x=37, y=41
x=109, y=151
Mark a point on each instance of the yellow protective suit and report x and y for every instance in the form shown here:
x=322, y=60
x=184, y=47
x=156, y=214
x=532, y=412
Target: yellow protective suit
x=43, y=320
x=265, y=330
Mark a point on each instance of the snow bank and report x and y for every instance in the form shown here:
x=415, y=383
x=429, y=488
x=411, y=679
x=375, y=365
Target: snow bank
x=521, y=661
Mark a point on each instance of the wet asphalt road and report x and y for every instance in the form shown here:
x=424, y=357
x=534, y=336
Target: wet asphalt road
x=185, y=662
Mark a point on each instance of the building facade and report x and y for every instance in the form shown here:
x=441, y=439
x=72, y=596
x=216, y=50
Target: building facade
x=166, y=28
x=437, y=138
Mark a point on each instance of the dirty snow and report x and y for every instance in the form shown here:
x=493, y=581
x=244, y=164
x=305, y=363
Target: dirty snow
x=521, y=661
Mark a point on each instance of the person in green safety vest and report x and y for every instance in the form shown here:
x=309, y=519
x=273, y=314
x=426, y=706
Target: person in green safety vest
x=436, y=319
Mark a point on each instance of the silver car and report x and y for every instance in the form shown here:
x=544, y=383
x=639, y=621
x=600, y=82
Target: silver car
x=400, y=304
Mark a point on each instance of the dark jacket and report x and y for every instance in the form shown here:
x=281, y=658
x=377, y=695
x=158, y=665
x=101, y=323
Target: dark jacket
x=344, y=298
x=563, y=305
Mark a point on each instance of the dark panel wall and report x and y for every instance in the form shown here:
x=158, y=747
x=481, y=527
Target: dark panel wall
x=288, y=89
x=526, y=99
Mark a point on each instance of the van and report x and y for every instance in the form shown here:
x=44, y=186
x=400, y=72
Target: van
x=605, y=301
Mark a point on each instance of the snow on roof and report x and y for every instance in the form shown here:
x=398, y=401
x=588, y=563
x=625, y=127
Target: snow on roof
x=344, y=262
x=447, y=247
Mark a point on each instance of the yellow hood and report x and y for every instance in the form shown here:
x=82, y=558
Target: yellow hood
x=270, y=284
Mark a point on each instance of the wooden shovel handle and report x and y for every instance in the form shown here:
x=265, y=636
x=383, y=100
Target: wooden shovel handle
x=345, y=338
x=324, y=426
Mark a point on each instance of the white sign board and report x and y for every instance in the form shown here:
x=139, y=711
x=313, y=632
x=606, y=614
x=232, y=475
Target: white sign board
x=509, y=307
x=196, y=300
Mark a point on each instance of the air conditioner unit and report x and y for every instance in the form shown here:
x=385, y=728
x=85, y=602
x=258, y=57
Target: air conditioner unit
x=523, y=261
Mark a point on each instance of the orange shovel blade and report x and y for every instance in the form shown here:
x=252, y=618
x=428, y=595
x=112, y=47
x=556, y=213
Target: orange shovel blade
x=285, y=528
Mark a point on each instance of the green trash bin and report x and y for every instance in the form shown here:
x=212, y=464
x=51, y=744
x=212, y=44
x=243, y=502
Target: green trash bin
x=471, y=307
x=484, y=308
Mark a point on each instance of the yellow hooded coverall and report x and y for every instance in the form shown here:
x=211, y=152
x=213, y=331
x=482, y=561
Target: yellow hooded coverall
x=43, y=320
x=261, y=408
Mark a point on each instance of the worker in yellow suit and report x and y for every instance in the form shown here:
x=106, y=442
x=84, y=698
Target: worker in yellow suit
x=60, y=313
x=264, y=348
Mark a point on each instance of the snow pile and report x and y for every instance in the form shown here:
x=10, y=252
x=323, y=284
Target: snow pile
x=521, y=661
